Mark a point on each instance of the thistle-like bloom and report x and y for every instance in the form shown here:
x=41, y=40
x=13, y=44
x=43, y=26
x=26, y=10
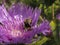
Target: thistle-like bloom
x=19, y=24
x=45, y=28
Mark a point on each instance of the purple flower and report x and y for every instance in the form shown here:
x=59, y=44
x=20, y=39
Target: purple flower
x=45, y=28
x=18, y=24
x=58, y=16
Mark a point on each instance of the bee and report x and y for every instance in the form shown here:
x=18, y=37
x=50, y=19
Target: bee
x=27, y=23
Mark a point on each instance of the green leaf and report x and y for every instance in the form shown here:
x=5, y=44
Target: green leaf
x=41, y=41
x=53, y=25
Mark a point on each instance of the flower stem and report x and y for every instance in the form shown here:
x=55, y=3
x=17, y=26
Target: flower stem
x=53, y=11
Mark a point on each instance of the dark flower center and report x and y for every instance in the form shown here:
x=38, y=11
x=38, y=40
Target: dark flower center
x=27, y=23
x=1, y=24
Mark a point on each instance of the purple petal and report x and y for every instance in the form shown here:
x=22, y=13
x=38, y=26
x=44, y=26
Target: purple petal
x=45, y=28
x=35, y=17
x=4, y=14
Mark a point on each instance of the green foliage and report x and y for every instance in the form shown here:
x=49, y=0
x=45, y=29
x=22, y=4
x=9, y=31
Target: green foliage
x=32, y=3
x=41, y=41
x=53, y=25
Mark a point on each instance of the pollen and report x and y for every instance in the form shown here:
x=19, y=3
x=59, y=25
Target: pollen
x=16, y=33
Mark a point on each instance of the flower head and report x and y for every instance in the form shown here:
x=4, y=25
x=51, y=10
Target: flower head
x=19, y=24
x=45, y=28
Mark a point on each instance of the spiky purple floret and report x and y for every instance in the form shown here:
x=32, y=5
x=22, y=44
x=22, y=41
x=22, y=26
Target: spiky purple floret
x=45, y=28
x=13, y=22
